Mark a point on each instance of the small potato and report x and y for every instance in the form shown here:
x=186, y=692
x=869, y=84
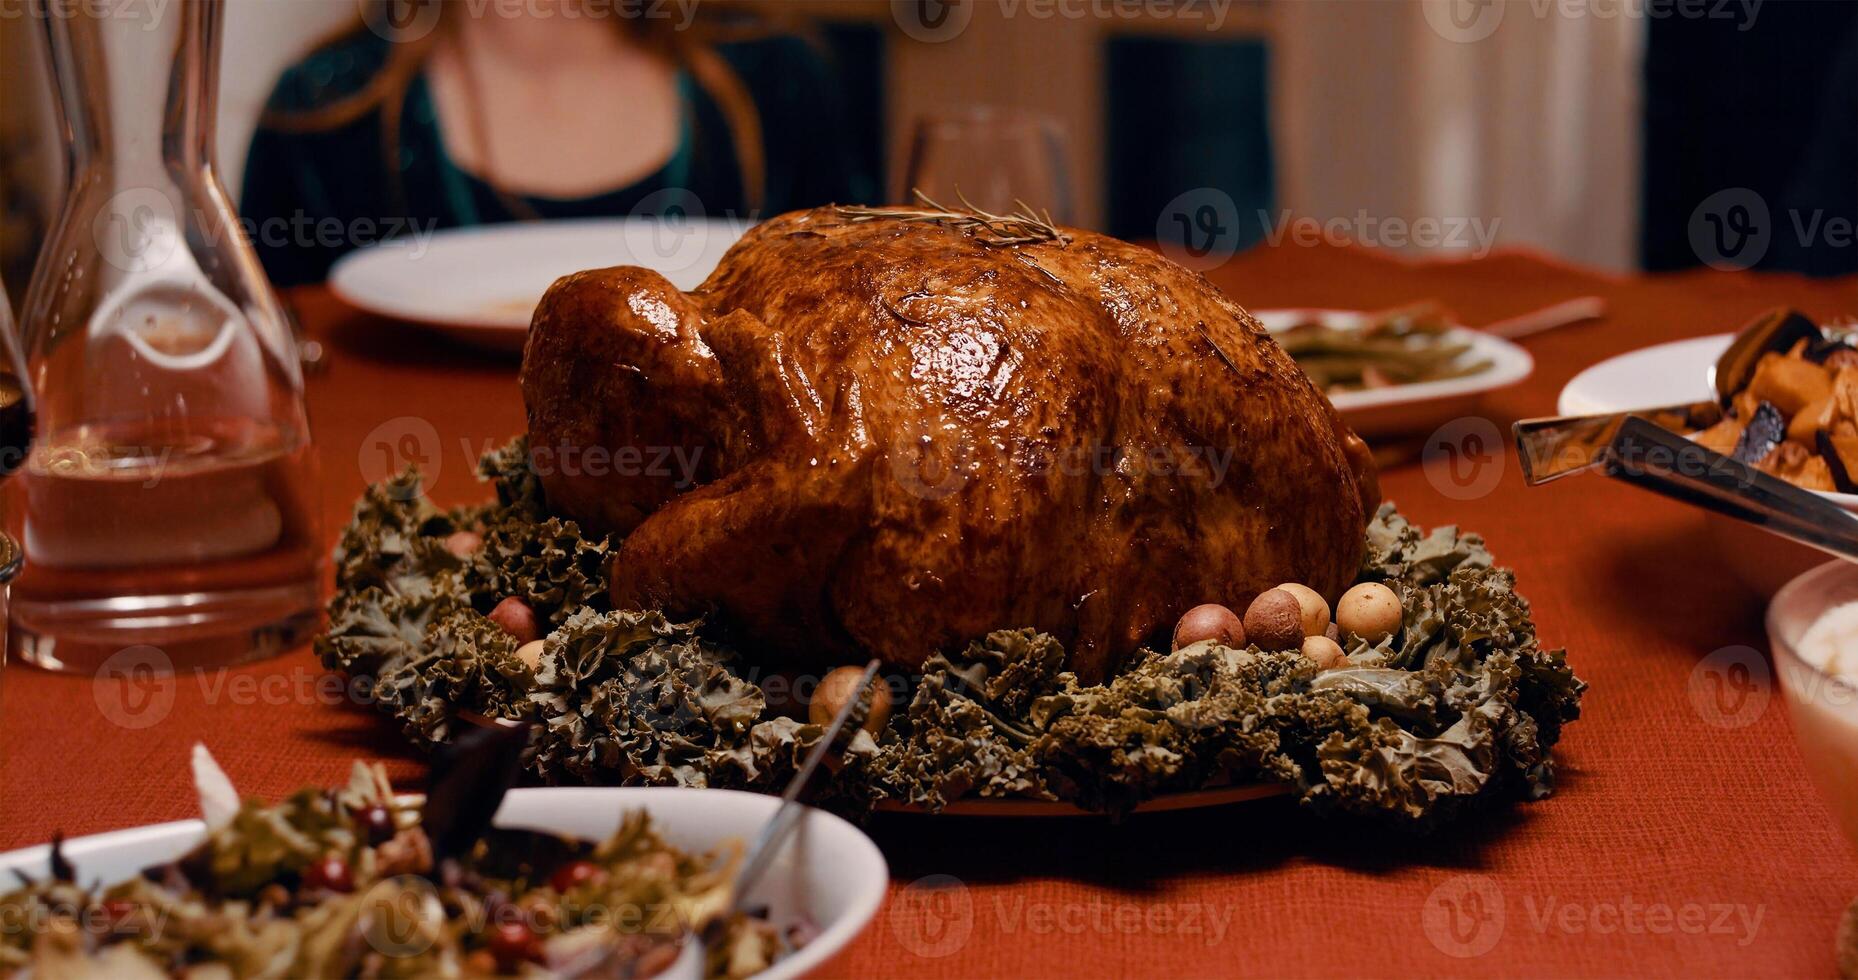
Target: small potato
x=837, y=687
x=1325, y=652
x=531, y=653
x=1369, y=610
x=517, y=619
x=1210, y=621
x=1315, y=608
x=463, y=544
x=1275, y=621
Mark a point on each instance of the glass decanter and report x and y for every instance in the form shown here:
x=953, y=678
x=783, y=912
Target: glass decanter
x=16, y=425
x=168, y=507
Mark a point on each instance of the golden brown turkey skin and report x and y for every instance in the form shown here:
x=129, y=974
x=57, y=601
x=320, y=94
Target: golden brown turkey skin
x=904, y=438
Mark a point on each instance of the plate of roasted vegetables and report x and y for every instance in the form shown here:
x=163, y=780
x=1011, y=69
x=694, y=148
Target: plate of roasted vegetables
x=1796, y=419
x=1396, y=371
x=357, y=881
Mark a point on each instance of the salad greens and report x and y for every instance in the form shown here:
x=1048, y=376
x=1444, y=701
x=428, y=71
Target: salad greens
x=1461, y=707
x=357, y=882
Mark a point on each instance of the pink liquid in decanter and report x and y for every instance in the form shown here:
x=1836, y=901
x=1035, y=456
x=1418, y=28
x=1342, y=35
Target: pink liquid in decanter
x=134, y=495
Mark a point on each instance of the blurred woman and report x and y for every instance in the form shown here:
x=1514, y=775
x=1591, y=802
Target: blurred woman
x=491, y=112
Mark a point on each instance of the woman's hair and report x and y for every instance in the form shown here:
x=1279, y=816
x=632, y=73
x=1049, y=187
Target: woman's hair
x=690, y=46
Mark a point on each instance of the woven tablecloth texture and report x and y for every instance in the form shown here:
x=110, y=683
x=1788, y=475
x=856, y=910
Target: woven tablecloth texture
x=1675, y=845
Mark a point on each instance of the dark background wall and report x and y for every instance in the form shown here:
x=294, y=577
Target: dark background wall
x=1773, y=109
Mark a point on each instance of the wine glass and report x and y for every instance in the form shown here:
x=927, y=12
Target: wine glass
x=993, y=158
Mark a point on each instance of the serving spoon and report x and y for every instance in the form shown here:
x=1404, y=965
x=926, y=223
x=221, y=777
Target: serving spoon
x=1551, y=448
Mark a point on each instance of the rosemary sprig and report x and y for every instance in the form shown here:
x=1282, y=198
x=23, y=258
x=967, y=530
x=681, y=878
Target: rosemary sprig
x=1022, y=227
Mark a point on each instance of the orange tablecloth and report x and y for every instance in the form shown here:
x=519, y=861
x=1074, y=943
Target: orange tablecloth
x=1675, y=845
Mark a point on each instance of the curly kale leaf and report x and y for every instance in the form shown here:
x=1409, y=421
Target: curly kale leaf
x=550, y=564
x=396, y=542
x=519, y=489
x=425, y=658
x=631, y=697
x=961, y=733
x=1460, y=707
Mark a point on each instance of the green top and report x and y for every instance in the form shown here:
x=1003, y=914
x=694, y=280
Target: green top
x=296, y=182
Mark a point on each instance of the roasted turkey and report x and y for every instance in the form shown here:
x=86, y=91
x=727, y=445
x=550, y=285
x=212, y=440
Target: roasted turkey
x=870, y=436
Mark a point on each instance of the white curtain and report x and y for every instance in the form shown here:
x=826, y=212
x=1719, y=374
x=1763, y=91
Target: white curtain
x=1516, y=117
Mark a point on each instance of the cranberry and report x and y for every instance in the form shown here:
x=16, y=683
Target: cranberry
x=118, y=912
x=329, y=874
x=513, y=944
x=575, y=873
x=377, y=822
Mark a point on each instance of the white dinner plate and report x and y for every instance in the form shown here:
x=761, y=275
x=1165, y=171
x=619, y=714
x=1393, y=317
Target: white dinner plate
x=1675, y=373
x=1422, y=406
x=1651, y=377
x=481, y=284
x=828, y=874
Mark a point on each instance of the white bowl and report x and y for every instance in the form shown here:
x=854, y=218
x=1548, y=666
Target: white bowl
x=828, y=874
x=1822, y=706
x=1675, y=373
